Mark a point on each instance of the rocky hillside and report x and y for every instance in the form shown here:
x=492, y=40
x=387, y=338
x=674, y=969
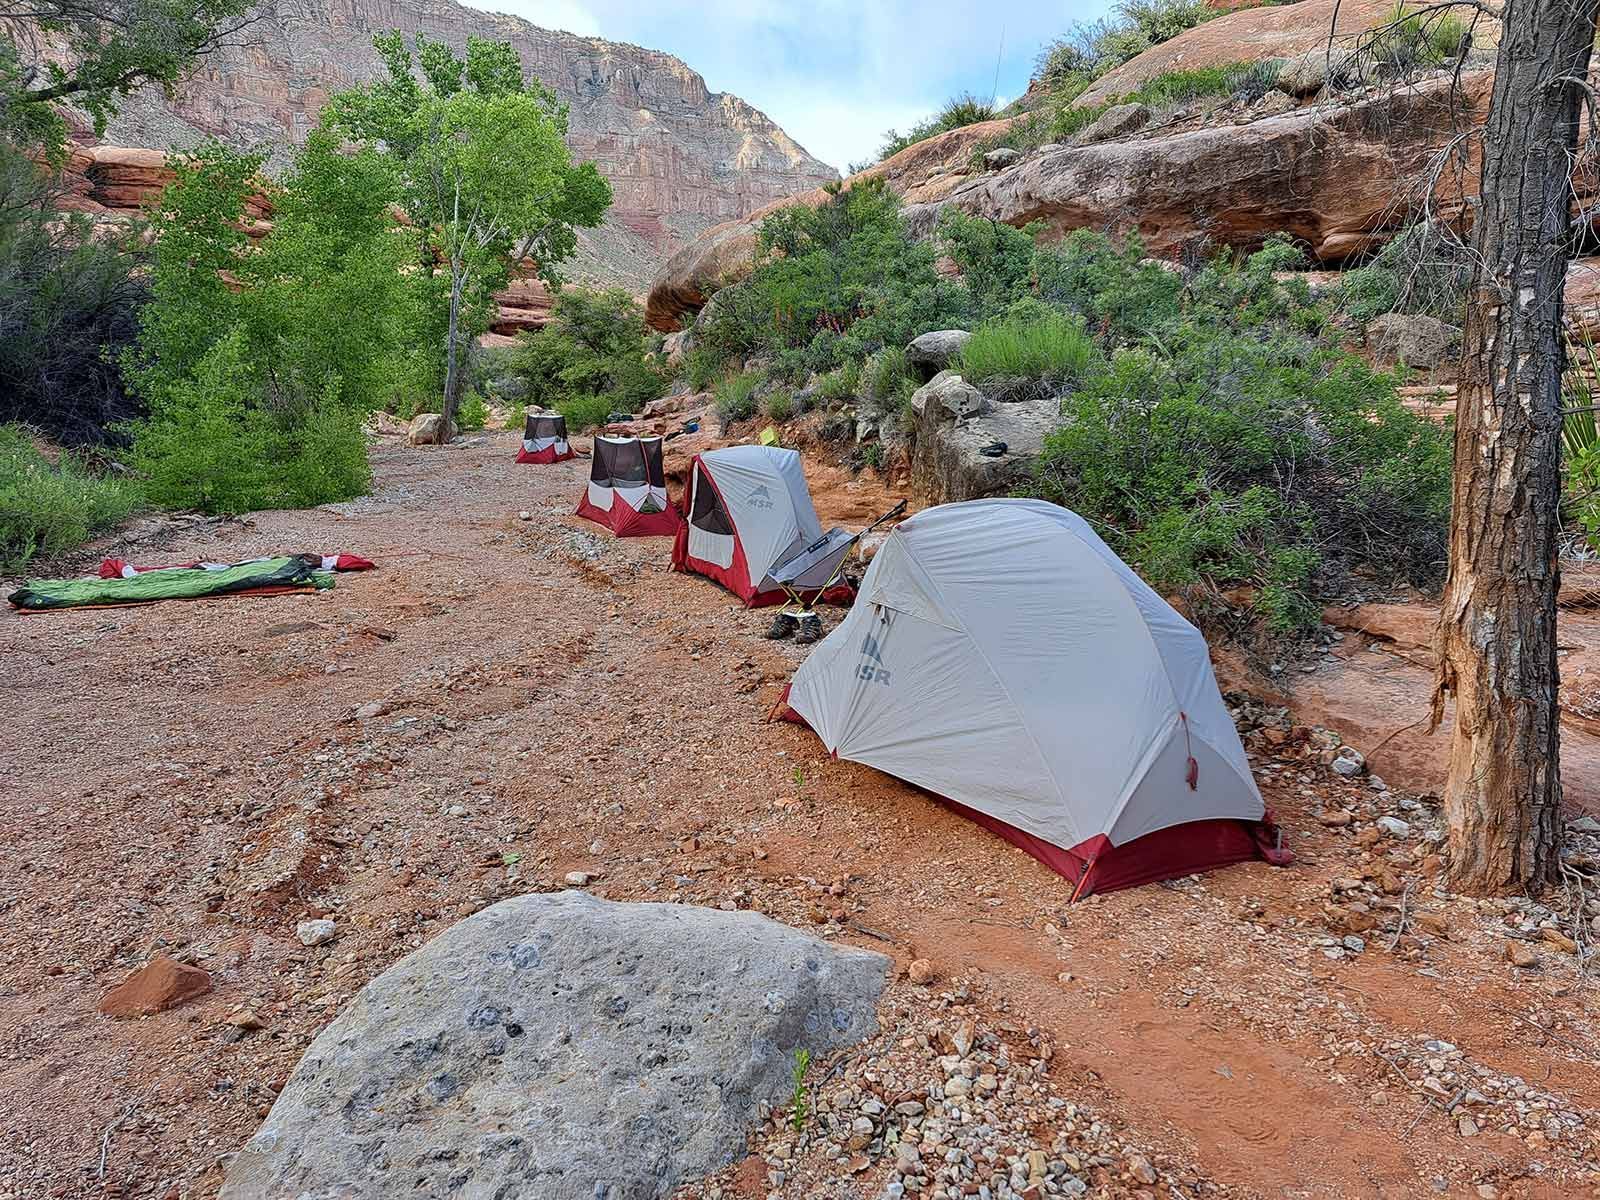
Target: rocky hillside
x=680, y=157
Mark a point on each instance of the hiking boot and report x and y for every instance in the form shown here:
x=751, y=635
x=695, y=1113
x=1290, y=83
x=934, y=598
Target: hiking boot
x=810, y=630
x=782, y=626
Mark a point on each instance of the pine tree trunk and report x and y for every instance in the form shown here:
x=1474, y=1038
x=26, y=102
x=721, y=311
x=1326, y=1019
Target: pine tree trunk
x=1497, y=627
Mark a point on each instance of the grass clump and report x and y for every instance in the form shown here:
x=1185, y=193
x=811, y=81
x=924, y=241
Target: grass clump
x=778, y=404
x=1414, y=39
x=958, y=111
x=736, y=398
x=1035, y=343
x=48, y=508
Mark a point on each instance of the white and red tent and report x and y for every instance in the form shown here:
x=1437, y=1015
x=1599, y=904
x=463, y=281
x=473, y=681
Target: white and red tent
x=627, y=490
x=544, y=439
x=748, y=511
x=1003, y=658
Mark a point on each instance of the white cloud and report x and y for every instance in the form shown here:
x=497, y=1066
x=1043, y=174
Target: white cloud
x=568, y=15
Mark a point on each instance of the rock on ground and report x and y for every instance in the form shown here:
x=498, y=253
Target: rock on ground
x=932, y=352
x=563, y=1047
x=953, y=422
x=1118, y=121
x=160, y=984
x=427, y=429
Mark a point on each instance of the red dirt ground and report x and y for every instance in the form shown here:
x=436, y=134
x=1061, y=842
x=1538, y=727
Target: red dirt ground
x=504, y=701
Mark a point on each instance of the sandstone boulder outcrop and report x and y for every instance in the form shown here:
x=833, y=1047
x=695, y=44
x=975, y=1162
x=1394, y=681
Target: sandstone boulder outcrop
x=956, y=431
x=1120, y=120
x=426, y=429
x=160, y=984
x=1327, y=175
x=562, y=1047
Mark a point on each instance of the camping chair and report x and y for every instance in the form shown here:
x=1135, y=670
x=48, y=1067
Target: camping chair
x=812, y=570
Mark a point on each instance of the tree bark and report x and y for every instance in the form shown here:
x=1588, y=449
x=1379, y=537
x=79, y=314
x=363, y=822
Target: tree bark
x=452, y=357
x=1497, y=626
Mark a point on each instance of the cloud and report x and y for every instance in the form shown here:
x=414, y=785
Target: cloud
x=835, y=74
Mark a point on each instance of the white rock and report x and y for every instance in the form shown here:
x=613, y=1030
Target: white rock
x=1394, y=827
x=315, y=933
x=579, y=878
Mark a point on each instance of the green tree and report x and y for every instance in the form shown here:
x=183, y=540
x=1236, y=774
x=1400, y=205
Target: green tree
x=258, y=362
x=92, y=54
x=590, y=360
x=484, y=170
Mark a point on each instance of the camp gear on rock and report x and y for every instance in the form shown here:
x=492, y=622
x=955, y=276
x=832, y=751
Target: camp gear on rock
x=627, y=490
x=810, y=630
x=544, y=439
x=257, y=577
x=783, y=625
x=748, y=509
x=993, y=449
x=1003, y=658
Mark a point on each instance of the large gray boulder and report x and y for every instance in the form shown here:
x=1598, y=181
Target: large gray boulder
x=1308, y=73
x=953, y=423
x=559, y=1047
x=932, y=352
x=1418, y=341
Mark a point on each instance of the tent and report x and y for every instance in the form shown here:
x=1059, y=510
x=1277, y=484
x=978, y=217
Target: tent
x=544, y=439
x=1003, y=658
x=748, y=512
x=628, y=488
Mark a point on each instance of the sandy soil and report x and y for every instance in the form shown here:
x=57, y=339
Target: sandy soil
x=505, y=701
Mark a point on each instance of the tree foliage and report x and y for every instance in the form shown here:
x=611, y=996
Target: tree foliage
x=592, y=359
x=483, y=168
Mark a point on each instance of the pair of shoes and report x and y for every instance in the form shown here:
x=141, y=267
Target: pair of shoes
x=993, y=449
x=810, y=630
x=782, y=626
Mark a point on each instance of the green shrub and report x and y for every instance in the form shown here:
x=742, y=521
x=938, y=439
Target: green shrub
x=596, y=345
x=1424, y=269
x=736, y=398
x=889, y=380
x=473, y=412
x=995, y=259
x=584, y=412
x=840, y=386
x=46, y=509
x=1119, y=293
x=964, y=109
x=210, y=444
x=778, y=404
x=1038, y=344
x=1414, y=39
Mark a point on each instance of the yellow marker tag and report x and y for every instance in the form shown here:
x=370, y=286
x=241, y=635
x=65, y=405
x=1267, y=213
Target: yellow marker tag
x=769, y=436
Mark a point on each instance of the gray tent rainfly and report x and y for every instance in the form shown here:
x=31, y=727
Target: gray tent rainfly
x=1003, y=658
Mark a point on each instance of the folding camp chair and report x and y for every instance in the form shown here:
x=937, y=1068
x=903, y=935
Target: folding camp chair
x=812, y=570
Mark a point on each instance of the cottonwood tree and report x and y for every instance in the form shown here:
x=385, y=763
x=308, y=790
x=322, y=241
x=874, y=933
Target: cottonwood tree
x=487, y=174
x=1497, y=630
x=91, y=53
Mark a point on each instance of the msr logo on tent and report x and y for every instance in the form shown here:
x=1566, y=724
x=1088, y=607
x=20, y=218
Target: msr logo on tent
x=760, y=497
x=872, y=669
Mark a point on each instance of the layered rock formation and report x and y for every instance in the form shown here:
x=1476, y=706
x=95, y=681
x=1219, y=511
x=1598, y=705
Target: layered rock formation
x=679, y=157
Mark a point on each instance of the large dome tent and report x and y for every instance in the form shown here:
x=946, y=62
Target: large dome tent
x=1002, y=657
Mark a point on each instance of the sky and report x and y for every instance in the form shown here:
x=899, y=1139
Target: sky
x=835, y=74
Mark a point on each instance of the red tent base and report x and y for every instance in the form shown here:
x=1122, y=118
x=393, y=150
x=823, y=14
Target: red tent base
x=1098, y=866
x=547, y=455
x=624, y=521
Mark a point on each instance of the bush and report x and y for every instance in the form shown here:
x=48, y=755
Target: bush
x=1409, y=40
x=1118, y=293
x=736, y=398
x=584, y=412
x=209, y=444
x=964, y=109
x=1424, y=269
x=472, y=413
x=47, y=510
x=1037, y=343
x=995, y=259
x=778, y=404
x=69, y=308
x=596, y=345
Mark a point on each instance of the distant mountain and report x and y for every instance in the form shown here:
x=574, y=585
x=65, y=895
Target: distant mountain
x=680, y=158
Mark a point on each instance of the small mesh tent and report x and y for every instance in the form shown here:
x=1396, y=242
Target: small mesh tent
x=749, y=511
x=1003, y=658
x=544, y=439
x=627, y=490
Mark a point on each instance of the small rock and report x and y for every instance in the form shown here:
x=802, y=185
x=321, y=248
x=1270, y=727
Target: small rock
x=315, y=933
x=1139, y=1166
x=579, y=878
x=1394, y=827
x=1346, y=764
x=1520, y=954
x=1336, y=818
x=1353, y=944
x=921, y=971
x=1466, y=1126
x=524, y=515
x=160, y=984
x=246, y=1021
x=1000, y=158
